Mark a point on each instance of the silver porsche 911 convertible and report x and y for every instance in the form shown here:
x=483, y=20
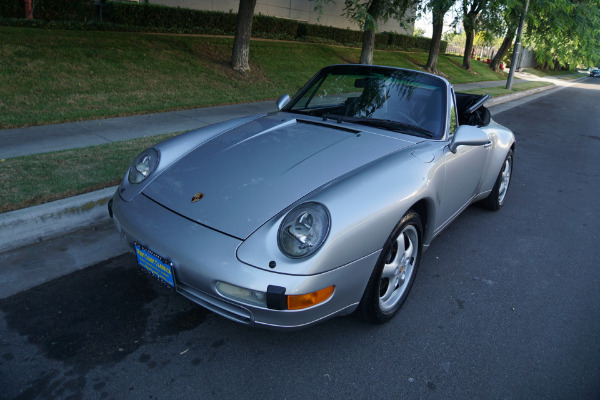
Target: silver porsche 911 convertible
x=320, y=209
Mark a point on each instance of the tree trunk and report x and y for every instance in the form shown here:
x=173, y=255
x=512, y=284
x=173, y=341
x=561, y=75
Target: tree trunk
x=436, y=39
x=241, y=43
x=28, y=9
x=504, y=47
x=470, y=17
x=374, y=11
x=470, y=35
x=556, y=65
x=366, y=54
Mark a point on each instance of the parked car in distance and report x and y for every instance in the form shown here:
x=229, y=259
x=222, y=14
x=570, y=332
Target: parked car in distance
x=595, y=72
x=320, y=209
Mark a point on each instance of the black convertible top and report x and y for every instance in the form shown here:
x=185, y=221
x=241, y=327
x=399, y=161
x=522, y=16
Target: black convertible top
x=471, y=110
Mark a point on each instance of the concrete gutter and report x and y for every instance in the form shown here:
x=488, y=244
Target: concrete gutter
x=29, y=225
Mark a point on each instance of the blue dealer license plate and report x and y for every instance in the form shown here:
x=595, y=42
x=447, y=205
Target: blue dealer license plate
x=155, y=265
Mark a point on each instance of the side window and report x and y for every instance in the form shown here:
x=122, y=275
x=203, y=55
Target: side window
x=453, y=118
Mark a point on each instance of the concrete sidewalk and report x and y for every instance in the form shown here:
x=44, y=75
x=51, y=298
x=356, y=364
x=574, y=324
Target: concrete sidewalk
x=69, y=135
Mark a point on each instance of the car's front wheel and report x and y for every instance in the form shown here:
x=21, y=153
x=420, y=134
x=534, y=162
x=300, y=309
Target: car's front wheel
x=394, y=272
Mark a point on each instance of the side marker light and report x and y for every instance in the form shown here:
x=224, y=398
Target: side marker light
x=298, y=302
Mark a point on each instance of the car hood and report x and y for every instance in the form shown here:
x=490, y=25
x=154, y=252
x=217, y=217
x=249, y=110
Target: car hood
x=237, y=181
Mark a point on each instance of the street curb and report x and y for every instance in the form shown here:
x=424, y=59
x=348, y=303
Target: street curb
x=22, y=227
x=515, y=96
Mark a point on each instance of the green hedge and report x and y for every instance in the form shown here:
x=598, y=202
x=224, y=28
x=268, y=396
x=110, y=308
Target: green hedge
x=79, y=26
x=69, y=10
x=274, y=26
x=168, y=18
x=338, y=35
x=50, y=10
x=123, y=16
x=12, y=9
x=397, y=41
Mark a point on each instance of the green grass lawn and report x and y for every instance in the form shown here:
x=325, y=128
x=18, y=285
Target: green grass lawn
x=40, y=178
x=49, y=76
x=450, y=66
x=501, y=90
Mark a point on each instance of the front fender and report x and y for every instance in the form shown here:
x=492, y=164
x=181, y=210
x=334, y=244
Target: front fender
x=364, y=205
x=177, y=147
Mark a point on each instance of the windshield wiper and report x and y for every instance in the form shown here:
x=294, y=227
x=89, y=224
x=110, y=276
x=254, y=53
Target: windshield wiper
x=337, y=117
x=396, y=126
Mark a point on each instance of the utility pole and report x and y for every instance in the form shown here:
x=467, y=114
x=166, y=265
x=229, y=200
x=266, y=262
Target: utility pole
x=517, y=48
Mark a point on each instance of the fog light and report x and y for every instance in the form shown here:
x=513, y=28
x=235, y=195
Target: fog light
x=241, y=294
x=298, y=302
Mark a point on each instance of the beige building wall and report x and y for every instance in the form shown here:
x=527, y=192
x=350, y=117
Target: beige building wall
x=301, y=10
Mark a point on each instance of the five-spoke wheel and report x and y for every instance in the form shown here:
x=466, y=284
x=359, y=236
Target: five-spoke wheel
x=398, y=268
x=395, y=271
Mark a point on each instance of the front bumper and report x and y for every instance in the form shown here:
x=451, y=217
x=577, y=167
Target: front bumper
x=201, y=257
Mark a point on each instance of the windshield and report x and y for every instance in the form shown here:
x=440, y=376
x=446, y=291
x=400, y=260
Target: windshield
x=404, y=101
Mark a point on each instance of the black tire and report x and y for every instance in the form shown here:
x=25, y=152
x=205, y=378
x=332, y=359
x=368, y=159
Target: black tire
x=385, y=295
x=495, y=199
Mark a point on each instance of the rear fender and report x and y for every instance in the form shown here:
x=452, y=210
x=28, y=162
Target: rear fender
x=502, y=141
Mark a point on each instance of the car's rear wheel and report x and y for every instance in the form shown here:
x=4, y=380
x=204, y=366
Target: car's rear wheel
x=496, y=198
x=395, y=271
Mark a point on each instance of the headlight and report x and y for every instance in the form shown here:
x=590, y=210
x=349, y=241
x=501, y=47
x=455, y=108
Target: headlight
x=143, y=165
x=303, y=230
x=244, y=295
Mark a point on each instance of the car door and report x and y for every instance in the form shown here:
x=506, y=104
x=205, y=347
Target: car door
x=462, y=174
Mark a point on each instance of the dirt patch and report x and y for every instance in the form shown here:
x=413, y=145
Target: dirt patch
x=415, y=61
x=459, y=64
x=219, y=61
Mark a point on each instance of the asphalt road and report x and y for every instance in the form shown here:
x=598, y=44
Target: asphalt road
x=505, y=305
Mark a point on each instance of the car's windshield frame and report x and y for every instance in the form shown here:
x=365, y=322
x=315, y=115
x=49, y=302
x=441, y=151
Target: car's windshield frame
x=376, y=78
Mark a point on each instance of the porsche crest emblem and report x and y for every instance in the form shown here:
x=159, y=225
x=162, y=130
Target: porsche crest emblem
x=197, y=197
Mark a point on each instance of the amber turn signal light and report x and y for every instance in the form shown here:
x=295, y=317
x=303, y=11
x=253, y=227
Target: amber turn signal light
x=300, y=301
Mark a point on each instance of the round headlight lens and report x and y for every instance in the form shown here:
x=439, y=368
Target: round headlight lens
x=144, y=165
x=303, y=230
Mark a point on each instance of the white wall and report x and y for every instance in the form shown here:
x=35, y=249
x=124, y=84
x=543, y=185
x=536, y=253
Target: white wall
x=302, y=10
x=527, y=58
